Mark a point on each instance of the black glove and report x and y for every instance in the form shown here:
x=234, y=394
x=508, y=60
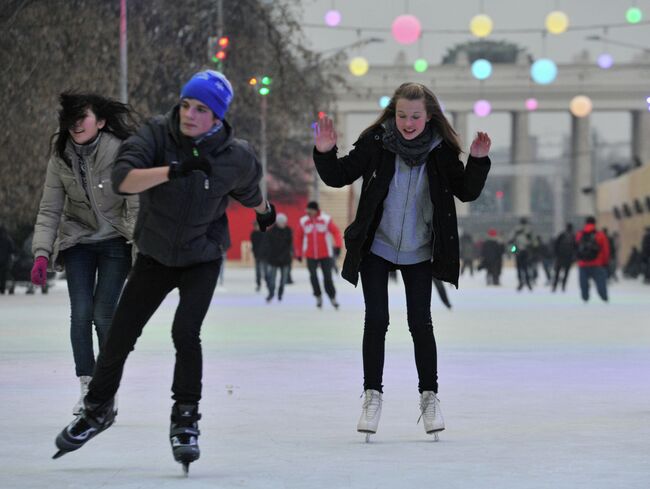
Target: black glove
x=267, y=219
x=336, y=251
x=188, y=165
x=299, y=258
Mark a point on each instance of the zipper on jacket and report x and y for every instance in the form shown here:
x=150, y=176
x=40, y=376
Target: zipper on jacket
x=372, y=177
x=206, y=183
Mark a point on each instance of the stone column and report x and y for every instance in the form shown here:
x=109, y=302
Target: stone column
x=461, y=127
x=581, y=169
x=521, y=154
x=641, y=135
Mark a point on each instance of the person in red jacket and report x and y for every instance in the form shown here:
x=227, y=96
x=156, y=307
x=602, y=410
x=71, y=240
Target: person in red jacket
x=318, y=239
x=593, y=258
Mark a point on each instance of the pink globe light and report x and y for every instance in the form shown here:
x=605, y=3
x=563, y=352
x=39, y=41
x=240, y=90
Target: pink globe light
x=482, y=108
x=605, y=61
x=333, y=18
x=531, y=103
x=406, y=29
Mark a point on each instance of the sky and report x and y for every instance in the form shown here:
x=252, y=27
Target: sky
x=522, y=15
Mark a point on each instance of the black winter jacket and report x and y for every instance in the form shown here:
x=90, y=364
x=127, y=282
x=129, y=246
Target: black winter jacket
x=183, y=221
x=376, y=165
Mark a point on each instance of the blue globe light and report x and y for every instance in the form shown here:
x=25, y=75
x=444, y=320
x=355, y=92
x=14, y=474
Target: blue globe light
x=384, y=101
x=543, y=71
x=481, y=69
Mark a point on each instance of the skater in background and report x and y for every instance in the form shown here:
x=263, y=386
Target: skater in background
x=82, y=223
x=613, y=255
x=318, y=240
x=185, y=166
x=492, y=258
x=7, y=250
x=258, y=248
x=409, y=162
x=467, y=253
x=592, y=252
x=279, y=247
x=565, y=253
x=644, y=256
x=520, y=245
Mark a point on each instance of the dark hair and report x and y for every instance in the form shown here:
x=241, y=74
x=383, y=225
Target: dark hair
x=119, y=117
x=590, y=220
x=417, y=91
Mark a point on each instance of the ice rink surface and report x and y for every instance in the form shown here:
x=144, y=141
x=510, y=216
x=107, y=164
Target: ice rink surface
x=538, y=390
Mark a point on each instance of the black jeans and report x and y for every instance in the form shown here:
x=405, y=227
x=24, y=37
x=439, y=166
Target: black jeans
x=522, y=261
x=326, y=266
x=561, y=273
x=417, y=285
x=146, y=288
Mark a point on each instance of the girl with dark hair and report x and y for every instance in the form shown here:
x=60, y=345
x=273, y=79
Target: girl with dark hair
x=406, y=220
x=82, y=223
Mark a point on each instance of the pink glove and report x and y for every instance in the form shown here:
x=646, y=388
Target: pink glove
x=39, y=271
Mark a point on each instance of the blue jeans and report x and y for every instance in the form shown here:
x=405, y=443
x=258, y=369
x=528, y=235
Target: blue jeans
x=271, y=278
x=95, y=273
x=417, y=280
x=599, y=276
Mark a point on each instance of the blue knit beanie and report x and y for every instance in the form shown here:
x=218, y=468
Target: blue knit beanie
x=212, y=88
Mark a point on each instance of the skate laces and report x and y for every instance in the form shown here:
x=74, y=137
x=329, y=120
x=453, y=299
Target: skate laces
x=428, y=406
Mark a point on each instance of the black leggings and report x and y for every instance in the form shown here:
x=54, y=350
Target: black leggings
x=417, y=284
x=146, y=288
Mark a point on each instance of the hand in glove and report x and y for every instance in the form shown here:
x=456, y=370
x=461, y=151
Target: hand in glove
x=188, y=165
x=39, y=271
x=267, y=218
x=336, y=252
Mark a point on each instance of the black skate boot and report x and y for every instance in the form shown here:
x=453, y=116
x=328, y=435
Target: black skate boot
x=94, y=419
x=184, y=434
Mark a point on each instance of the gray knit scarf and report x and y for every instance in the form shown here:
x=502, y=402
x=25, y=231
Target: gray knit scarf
x=413, y=152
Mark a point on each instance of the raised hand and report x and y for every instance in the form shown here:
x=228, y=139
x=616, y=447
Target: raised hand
x=324, y=135
x=481, y=145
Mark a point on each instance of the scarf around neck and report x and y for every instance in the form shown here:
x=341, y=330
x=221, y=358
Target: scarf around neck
x=413, y=152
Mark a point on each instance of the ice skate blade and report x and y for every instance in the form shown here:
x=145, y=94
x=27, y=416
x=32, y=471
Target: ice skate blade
x=186, y=469
x=59, y=454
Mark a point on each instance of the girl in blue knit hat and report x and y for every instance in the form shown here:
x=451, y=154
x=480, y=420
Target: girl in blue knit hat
x=181, y=235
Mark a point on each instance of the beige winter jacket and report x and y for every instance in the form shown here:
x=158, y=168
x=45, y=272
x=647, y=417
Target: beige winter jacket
x=66, y=215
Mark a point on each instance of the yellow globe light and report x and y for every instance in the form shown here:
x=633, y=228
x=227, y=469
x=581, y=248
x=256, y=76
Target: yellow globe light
x=580, y=106
x=481, y=25
x=358, y=66
x=557, y=22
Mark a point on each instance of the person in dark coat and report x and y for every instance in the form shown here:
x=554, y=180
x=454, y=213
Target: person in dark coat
x=564, y=250
x=521, y=244
x=408, y=160
x=258, y=247
x=492, y=257
x=7, y=249
x=467, y=253
x=185, y=166
x=645, y=256
x=279, y=250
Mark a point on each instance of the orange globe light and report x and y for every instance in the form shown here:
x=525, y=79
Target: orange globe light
x=580, y=106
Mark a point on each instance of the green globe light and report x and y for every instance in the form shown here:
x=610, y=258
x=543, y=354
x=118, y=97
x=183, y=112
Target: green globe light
x=420, y=65
x=633, y=15
x=265, y=91
x=266, y=80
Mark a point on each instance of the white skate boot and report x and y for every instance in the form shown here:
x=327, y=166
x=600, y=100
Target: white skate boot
x=84, y=381
x=430, y=409
x=370, y=413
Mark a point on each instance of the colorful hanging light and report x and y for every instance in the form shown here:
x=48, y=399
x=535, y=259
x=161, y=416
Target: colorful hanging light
x=482, y=108
x=333, y=18
x=580, y=106
x=532, y=103
x=543, y=71
x=421, y=65
x=557, y=22
x=384, y=101
x=406, y=29
x=605, y=61
x=359, y=66
x=481, y=69
x=481, y=25
x=634, y=15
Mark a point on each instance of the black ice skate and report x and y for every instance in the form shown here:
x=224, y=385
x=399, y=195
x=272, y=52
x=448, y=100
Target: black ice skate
x=184, y=434
x=94, y=419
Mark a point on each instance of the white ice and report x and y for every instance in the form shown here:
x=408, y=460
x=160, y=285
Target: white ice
x=538, y=390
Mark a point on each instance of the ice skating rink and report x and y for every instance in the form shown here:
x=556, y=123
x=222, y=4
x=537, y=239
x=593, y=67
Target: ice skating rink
x=538, y=391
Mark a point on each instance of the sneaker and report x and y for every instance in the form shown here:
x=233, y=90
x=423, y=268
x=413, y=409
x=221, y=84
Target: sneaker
x=431, y=415
x=370, y=412
x=84, y=382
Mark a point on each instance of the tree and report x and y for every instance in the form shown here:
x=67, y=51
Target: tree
x=49, y=46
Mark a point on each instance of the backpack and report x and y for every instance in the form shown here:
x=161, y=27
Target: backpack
x=588, y=248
